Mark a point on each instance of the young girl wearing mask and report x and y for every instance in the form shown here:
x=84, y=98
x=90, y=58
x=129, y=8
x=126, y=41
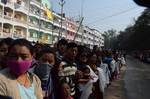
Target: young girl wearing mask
x=15, y=80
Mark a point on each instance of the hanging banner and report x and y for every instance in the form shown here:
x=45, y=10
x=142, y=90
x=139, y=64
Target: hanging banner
x=48, y=10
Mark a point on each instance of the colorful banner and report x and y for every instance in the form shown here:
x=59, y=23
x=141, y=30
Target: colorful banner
x=49, y=14
x=48, y=9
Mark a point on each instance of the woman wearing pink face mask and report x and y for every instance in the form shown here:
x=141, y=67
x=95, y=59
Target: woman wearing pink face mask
x=16, y=81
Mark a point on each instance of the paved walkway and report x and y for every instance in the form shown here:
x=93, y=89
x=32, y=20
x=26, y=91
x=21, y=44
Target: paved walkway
x=115, y=90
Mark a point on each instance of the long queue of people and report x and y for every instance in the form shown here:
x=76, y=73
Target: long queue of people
x=63, y=71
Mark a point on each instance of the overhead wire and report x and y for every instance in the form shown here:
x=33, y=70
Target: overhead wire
x=110, y=16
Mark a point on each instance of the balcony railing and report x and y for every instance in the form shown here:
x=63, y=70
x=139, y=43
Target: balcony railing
x=36, y=2
x=21, y=8
x=57, y=22
x=34, y=25
x=7, y=34
x=44, y=17
x=33, y=13
x=56, y=31
x=7, y=17
x=16, y=35
x=20, y=21
x=45, y=27
x=9, y=3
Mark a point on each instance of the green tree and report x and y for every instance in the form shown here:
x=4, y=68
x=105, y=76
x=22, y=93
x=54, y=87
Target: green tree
x=136, y=36
x=110, y=37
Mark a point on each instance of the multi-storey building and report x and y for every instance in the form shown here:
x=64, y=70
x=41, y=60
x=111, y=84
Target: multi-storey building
x=27, y=19
x=99, y=39
x=92, y=37
x=13, y=22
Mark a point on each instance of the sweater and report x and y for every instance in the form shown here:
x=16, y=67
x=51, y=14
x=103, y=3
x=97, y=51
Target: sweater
x=8, y=85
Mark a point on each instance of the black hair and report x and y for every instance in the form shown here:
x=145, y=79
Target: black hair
x=22, y=42
x=37, y=50
x=85, y=68
x=47, y=49
x=62, y=42
x=61, y=82
x=84, y=54
x=6, y=41
x=82, y=49
x=71, y=45
x=91, y=54
x=95, y=48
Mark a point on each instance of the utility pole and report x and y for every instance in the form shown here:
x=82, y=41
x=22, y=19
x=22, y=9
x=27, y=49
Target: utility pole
x=82, y=8
x=80, y=25
x=61, y=3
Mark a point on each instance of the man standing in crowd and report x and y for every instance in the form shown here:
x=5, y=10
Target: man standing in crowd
x=67, y=68
x=61, y=47
x=4, y=47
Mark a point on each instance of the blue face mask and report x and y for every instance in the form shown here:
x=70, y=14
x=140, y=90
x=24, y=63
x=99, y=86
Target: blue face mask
x=45, y=66
x=43, y=70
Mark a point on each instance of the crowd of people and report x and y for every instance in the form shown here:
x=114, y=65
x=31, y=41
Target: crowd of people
x=143, y=55
x=62, y=71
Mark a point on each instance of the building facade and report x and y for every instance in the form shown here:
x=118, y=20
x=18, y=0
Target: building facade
x=27, y=19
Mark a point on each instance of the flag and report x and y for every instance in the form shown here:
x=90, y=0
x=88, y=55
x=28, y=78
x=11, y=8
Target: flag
x=49, y=13
x=48, y=9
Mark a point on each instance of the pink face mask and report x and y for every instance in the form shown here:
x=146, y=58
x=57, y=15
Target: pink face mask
x=18, y=67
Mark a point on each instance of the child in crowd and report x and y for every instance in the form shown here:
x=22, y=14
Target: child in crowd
x=85, y=83
x=65, y=91
x=85, y=78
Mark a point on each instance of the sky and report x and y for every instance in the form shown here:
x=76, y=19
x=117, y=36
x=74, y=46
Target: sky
x=102, y=15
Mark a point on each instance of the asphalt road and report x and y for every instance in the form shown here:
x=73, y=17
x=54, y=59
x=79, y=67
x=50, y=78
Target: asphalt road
x=137, y=80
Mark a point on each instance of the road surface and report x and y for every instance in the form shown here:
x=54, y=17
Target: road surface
x=137, y=80
x=134, y=82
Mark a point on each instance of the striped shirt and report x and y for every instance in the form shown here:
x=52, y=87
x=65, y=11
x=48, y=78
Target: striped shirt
x=67, y=74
